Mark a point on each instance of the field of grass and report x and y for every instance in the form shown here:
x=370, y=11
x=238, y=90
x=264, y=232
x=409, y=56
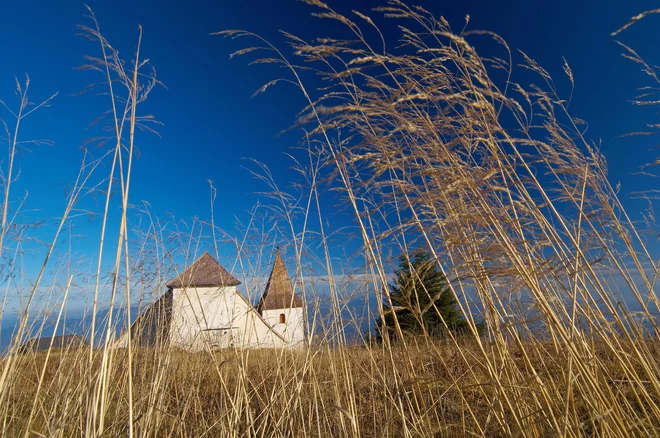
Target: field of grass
x=427, y=389
x=427, y=144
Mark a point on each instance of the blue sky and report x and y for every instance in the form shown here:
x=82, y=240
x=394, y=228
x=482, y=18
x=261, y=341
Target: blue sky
x=210, y=122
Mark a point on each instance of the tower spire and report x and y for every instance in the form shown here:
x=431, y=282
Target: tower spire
x=279, y=292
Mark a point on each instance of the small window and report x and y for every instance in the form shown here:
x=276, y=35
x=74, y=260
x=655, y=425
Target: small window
x=282, y=318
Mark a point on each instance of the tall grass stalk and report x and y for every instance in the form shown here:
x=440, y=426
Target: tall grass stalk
x=428, y=145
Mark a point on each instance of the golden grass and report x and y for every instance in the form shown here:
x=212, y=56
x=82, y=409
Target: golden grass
x=295, y=393
x=430, y=145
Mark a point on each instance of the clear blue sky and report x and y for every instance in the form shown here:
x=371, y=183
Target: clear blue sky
x=210, y=121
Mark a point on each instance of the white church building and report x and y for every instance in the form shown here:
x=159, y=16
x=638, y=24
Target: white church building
x=203, y=309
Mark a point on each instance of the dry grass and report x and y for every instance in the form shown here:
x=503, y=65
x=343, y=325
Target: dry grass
x=268, y=393
x=430, y=145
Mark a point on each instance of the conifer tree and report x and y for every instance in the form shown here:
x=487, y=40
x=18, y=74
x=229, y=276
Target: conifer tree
x=421, y=298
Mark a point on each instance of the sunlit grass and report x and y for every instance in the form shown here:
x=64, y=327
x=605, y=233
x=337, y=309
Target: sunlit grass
x=428, y=148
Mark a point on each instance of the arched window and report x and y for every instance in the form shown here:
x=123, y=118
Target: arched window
x=282, y=318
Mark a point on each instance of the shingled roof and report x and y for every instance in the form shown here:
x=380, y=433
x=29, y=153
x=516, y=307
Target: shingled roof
x=204, y=272
x=279, y=291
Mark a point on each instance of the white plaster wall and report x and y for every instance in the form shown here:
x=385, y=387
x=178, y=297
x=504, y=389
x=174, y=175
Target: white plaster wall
x=217, y=318
x=293, y=330
x=199, y=312
x=122, y=341
x=255, y=331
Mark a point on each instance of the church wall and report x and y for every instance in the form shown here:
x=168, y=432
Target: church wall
x=293, y=329
x=214, y=317
x=256, y=333
x=153, y=326
x=218, y=318
x=203, y=315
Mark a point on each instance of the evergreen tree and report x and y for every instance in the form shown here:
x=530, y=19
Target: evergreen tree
x=418, y=284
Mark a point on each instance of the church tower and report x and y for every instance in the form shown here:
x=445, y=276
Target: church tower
x=280, y=307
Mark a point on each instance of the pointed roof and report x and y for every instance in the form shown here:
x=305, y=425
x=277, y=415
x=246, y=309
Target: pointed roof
x=279, y=291
x=204, y=272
